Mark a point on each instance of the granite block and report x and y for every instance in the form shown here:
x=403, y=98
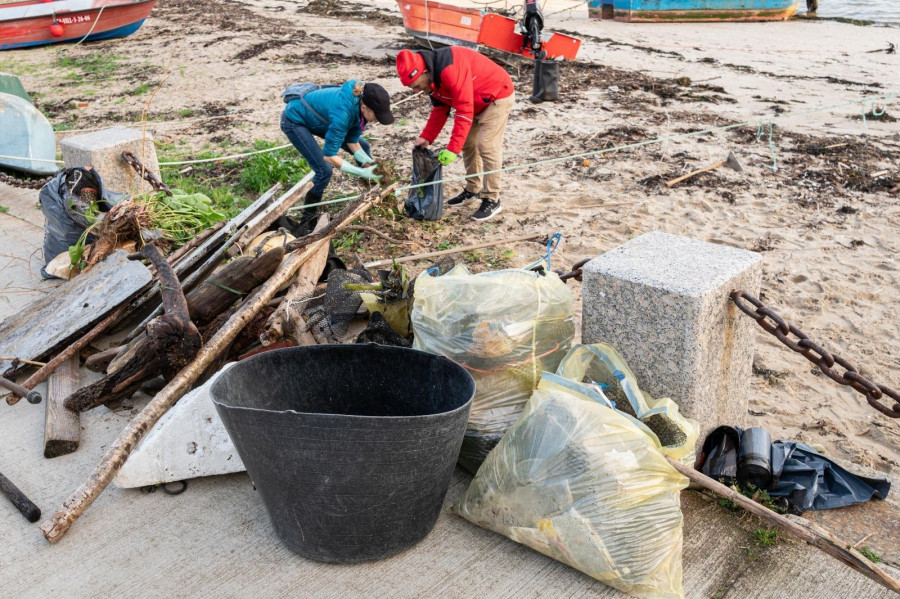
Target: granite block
x=662, y=301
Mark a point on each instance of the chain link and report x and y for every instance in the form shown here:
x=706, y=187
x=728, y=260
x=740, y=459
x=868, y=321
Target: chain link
x=575, y=273
x=152, y=179
x=25, y=183
x=777, y=326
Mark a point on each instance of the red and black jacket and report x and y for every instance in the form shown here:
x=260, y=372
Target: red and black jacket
x=466, y=81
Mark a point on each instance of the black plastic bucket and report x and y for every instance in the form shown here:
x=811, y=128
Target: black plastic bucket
x=350, y=446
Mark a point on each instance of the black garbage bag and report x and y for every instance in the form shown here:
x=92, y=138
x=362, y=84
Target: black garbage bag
x=426, y=202
x=67, y=201
x=806, y=479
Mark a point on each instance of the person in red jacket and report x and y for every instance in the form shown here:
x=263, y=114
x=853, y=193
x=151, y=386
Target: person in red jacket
x=481, y=93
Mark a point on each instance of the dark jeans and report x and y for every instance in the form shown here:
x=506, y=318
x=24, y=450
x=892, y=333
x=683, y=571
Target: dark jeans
x=305, y=142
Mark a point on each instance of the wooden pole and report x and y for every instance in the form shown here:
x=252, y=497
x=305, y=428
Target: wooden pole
x=62, y=427
x=73, y=350
x=115, y=456
x=796, y=527
x=458, y=250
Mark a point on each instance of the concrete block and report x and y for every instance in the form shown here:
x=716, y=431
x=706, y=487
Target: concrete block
x=662, y=301
x=103, y=151
x=188, y=441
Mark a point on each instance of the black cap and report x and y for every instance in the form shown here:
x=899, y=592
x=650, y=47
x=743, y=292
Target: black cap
x=378, y=101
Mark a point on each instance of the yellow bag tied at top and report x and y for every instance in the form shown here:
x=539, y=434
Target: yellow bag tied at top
x=586, y=484
x=506, y=328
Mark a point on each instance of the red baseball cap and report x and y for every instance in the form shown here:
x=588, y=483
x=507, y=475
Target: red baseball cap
x=409, y=66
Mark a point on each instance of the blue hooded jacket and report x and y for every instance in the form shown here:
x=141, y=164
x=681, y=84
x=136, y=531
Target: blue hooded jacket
x=341, y=110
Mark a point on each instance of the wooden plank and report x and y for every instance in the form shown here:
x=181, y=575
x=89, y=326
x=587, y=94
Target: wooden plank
x=62, y=427
x=59, y=317
x=272, y=212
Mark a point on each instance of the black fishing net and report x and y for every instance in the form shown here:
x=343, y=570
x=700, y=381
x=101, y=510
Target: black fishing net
x=341, y=304
x=380, y=332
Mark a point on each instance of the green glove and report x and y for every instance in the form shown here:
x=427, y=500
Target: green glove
x=361, y=157
x=365, y=173
x=446, y=157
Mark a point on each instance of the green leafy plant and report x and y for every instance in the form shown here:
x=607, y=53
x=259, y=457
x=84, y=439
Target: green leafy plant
x=4, y=210
x=182, y=215
x=765, y=537
x=284, y=166
x=869, y=554
x=348, y=242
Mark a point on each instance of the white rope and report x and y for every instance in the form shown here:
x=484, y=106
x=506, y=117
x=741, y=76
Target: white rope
x=229, y=157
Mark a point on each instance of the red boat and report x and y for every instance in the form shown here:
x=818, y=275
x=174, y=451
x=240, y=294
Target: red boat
x=36, y=22
x=432, y=23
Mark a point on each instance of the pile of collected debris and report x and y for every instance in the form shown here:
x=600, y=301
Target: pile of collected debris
x=570, y=457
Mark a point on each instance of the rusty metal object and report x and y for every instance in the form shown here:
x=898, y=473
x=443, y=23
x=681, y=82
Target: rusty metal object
x=575, y=273
x=149, y=177
x=25, y=183
x=819, y=356
x=29, y=395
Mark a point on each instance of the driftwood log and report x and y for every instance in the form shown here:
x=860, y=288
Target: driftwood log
x=62, y=427
x=796, y=527
x=288, y=320
x=208, y=304
x=230, y=283
x=172, y=342
x=116, y=454
x=99, y=361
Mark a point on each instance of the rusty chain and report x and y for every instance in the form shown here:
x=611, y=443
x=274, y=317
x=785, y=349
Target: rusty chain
x=575, y=273
x=149, y=177
x=25, y=183
x=781, y=329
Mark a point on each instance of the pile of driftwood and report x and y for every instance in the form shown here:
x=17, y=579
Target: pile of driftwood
x=197, y=315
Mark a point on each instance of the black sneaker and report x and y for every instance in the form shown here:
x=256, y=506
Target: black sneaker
x=488, y=209
x=463, y=196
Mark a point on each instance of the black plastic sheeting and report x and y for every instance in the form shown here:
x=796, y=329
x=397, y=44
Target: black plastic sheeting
x=350, y=446
x=426, y=202
x=806, y=479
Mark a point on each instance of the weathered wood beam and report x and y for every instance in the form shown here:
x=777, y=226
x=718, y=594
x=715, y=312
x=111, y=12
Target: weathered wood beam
x=62, y=427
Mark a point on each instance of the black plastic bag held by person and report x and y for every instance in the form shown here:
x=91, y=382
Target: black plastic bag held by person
x=70, y=202
x=426, y=202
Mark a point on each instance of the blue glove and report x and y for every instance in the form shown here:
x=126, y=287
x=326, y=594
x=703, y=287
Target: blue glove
x=361, y=157
x=365, y=173
x=446, y=157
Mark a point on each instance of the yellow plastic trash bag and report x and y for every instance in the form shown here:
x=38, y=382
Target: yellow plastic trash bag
x=506, y=328
x=600, y=364
x=586, y=485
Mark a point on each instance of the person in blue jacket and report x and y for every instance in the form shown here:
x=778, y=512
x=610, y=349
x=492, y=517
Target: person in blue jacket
x=338, y=114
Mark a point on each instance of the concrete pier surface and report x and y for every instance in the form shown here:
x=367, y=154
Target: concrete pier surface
x=215, y=540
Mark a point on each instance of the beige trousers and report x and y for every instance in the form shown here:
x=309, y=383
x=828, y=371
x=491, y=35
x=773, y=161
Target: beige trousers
x=483, y=150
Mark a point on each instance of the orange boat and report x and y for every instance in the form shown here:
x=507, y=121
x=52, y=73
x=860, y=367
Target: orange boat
x=25, y=23
x=433, y=23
